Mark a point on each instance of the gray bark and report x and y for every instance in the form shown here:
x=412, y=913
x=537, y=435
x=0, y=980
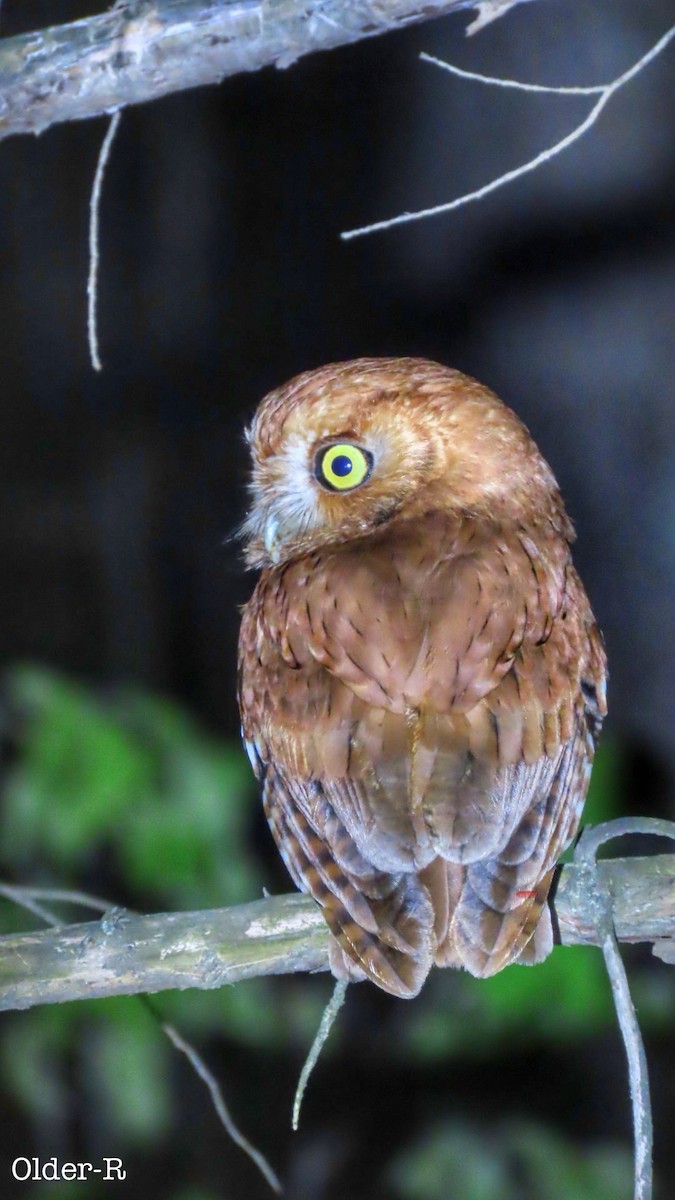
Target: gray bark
x=151, y=48
x=125, y=953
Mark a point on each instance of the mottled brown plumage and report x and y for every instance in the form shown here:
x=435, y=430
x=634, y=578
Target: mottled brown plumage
x=421, y=676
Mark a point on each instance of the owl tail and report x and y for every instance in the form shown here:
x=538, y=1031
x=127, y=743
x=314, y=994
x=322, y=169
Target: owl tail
x=500, y=915
x=484, y=935
x=399, y=956
x=382, y=924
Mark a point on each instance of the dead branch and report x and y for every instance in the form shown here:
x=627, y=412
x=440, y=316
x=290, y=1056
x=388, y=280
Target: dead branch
x=125, y=953
x=604, y=92
x=150, y=48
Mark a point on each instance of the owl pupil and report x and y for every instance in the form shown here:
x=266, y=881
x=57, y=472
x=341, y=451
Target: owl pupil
x=341, y=465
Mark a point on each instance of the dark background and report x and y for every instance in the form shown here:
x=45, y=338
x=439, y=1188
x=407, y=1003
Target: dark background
x=222, y=274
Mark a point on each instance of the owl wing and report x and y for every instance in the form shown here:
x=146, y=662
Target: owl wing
x=296, y=723
x=382, y=922
x=412, y=702
x=500, y=915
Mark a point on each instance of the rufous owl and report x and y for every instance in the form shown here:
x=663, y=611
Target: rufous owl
x=422, y=680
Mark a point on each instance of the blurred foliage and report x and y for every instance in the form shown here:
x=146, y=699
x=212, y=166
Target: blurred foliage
x=130, y=781
x=131, y=775
x=514, y=1161
x=566, y=996
x=126, y=785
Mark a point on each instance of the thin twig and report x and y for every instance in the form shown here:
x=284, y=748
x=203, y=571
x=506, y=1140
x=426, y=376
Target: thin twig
x=600, y=903
x=220, y=1106
x=24, y=899
x=515, y=84
x=94, y=207
x=20, y=895
x=606, y=93
x=330, y=1013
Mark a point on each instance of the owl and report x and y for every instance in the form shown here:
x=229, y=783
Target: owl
x=421, y=679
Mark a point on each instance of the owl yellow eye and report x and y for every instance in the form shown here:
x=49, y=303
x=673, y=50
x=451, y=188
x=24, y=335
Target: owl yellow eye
x=342, y=467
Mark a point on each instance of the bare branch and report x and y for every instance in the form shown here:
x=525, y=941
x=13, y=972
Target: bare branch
x=126, y=954
x=606, y=91
x=154, y=47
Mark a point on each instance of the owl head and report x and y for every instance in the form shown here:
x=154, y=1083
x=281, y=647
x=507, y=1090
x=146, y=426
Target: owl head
x=342, y=451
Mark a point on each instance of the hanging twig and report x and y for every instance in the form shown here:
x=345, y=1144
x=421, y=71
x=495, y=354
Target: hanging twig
x=94, y=209
x=199, y=1066
x=600, y=910
x=330, y=1012
x=606, y=91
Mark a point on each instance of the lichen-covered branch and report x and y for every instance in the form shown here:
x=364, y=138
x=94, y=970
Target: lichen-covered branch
x=149, y=48
x=125, y=953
